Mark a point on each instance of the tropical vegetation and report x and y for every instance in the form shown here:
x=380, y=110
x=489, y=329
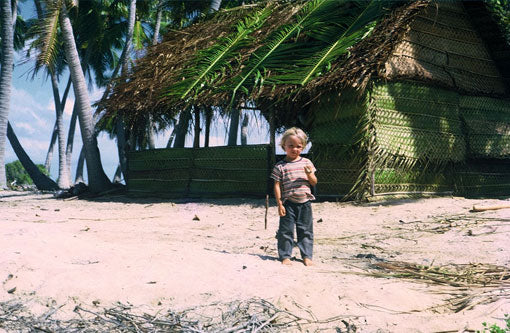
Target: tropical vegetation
x=18, y=176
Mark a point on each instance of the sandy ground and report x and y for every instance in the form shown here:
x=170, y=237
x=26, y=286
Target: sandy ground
x=159, y=254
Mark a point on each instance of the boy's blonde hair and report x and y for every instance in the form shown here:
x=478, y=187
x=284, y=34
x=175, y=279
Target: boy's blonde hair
x=297, y=132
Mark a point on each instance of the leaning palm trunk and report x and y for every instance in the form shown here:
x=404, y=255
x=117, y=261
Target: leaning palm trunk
x=5, y=80
x=41, y=181
x=98, y=181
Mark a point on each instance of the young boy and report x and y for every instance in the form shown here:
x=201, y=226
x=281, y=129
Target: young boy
x=293, y=178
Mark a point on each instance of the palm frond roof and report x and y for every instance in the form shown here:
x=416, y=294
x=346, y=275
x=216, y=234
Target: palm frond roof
x=277, y=53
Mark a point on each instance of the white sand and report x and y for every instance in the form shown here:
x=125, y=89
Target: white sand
x=152, y=254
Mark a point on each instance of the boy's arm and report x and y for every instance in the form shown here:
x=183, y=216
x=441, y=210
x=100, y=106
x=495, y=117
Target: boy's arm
x=310, y=175
x=278, y=197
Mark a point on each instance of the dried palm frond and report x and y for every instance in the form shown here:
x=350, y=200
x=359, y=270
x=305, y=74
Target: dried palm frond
x=466, y=275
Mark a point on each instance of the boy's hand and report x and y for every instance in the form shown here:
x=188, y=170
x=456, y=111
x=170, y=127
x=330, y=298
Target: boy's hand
x=281, y=210
x=308, y=170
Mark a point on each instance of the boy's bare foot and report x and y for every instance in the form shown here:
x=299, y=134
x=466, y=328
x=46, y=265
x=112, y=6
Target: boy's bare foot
x=308, y=262
x=286, y=261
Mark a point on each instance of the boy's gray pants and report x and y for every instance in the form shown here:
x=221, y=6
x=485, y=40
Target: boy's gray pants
x=300, y=215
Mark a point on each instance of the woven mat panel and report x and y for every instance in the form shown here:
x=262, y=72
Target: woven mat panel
x=418, y=122
x=447, y=13
x=337, y=174
x=168, y=174
x=483, y=178
x=159, y=159
x=157, y=186
x=446, y=31
x=228, y=187
x=336, y=133
x=442, y=46
x=201, y=171
x=348, y=104
x=488, y=126
x=419, y=179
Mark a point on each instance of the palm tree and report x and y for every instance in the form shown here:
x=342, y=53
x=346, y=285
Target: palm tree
x=98, y=181
x=5, y=80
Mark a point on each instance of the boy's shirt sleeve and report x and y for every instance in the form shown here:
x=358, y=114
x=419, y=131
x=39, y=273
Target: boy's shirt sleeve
x=309, y=163
x=276, y=174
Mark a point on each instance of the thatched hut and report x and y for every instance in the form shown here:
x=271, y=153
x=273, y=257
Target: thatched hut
x=398, y=98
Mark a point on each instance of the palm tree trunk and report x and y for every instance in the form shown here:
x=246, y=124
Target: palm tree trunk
x=98, y=181
x=5, y=80
x=117, y=177
x=70, y=139
x=157, y=25
x=63, y=176
x=196, y=137
x=234, y=127
x=215, y=6
x=155, y=39
x=49, y=154
x=120, y=127
x=41, y=181
x=74, y=116
x=79, y=167
x=244, y=128
x=121, y=145
x=208, y=119
x=182, y=129
x=171, y=138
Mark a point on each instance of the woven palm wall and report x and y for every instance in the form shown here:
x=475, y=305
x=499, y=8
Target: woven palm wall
x=239, y=170
x=335, y=137
x=430, y=139
x=443, y=47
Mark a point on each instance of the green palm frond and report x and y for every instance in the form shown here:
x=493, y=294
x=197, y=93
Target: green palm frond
x=139, y=36
x=356, y=26
x=254, y=68
x=206, y=67
x=329, y=36
x=49, y=41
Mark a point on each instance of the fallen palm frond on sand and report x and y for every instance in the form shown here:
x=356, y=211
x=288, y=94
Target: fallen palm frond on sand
x=475, y=283
x=467, y=275
x=253, y=315
x=443, y=224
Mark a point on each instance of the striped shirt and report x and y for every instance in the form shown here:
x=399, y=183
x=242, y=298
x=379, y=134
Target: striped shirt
x=292, y=177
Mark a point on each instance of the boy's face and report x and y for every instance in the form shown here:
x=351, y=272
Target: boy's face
x=293, y=147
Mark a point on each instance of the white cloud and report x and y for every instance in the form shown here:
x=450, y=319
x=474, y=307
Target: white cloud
x=25, y=108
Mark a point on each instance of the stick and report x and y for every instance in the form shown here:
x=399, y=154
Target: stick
x=267, y=207
x=482, y=209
